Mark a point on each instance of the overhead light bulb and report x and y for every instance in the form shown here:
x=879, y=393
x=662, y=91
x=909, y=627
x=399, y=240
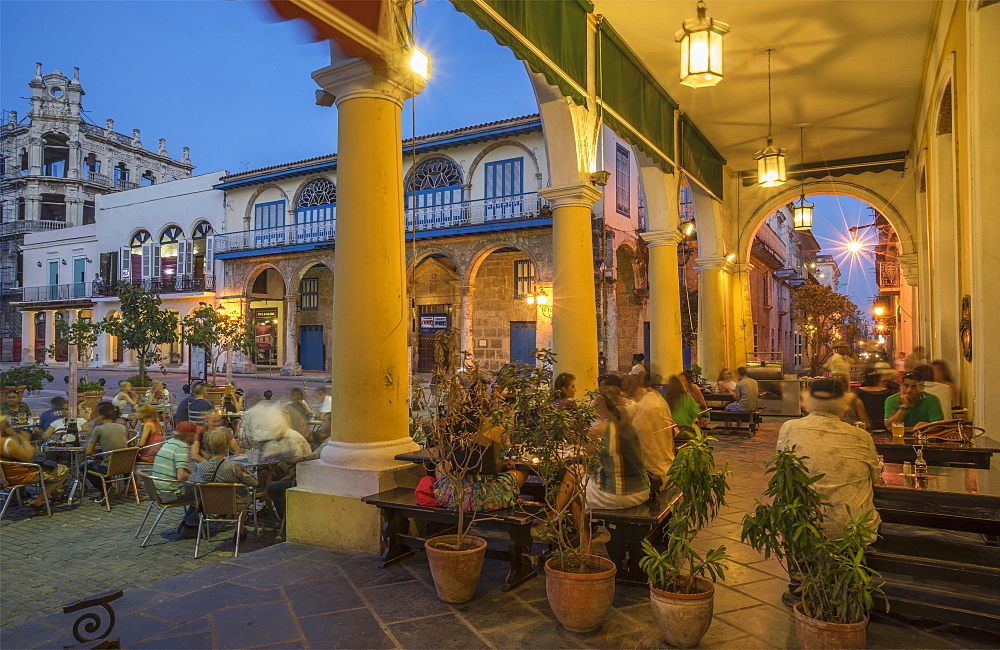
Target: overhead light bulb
x=420, y=63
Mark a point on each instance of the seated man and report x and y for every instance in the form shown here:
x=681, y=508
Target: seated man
x=911, y=405
x=213, y=422
x=173, y=462
x=108, y=436
x=283, y=444
x=194, y=407
x=651, y=418
x=14, y=408
x=745, y=393
x=219, y=470
x=58, y=403
x=58, y=427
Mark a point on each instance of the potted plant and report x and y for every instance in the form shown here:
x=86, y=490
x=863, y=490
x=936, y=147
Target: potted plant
x=218, y=333
x=453, y=427
x=556, y=434
x=835, y=584
x=681, y=589
x=22, y=378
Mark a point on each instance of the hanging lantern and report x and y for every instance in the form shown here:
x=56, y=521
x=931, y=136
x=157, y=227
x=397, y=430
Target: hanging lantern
x=802, y=214
x=770, y=165
x=701, y=49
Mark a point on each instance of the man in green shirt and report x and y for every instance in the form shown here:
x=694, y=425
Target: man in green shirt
x=912, y=405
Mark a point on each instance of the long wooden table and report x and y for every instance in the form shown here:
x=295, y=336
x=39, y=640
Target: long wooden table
x=976, y=453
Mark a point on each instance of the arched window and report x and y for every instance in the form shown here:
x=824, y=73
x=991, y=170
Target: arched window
x=171, y=235
x=202, y=230
x=148, y=178
x=131, y=269
x=170, y=242
x=140, y=238
x=200, y=246
x=55, y=154
x=434, y=197
x=317, y=202
x=121, y=176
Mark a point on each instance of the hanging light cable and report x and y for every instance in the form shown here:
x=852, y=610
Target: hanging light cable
x=770, y=159
x=802, y=212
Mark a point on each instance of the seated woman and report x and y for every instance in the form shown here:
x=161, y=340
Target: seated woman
x=683, y=408
x=213, y=421
x=726, y=383
x=124, y=398
x=150, y=433
x=619, y=479
x=219, y=470
x=157, y=393
x=16, y=448
x=687, y=380
x=875, y=389
x=565, y=388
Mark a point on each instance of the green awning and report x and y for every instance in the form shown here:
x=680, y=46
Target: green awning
x=549, y=35
x=699, y=158
x=636, y=107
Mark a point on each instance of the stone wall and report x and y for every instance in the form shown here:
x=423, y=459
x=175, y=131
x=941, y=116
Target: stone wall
x=494, y=307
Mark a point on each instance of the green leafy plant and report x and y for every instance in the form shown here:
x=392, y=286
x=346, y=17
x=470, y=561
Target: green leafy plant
x=824, y=316
x=141, y=325
x=82, y=333
x=31, y=377
x=556, y=436
x=139, y=381
x=217, y=333
x=836, y=585
x=696, y=371
x=89, y=387
x=696, y=490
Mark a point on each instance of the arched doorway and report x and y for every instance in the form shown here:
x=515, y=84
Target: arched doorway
x=266, y=302
x=314, y=317
x=435, y=292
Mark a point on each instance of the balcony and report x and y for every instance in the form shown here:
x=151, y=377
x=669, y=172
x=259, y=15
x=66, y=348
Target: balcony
x=500, y=214
x=87, y=290
x=99, y=179
x=887, y=275
x=122, y=184
x=21, y=227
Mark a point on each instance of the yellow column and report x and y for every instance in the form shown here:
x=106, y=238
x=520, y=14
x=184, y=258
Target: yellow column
x=370, y=370
x=574, y=307
x=50, y=333
x=742, y=329
x=713, y=315
x=27, y=337
x=665, y=340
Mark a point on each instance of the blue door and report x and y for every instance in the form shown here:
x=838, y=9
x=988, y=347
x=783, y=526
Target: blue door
x=79, y=277
x=312, y=351
x=522, y=341
x=53, y=280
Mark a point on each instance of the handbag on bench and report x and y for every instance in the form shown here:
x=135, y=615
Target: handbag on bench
x=949, y=430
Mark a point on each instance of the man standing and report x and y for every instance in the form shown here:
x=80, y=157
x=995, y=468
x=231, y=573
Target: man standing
x=745, y=393
x=173, y=462
x=839, y=366
x=651, y=418
x=911, y=405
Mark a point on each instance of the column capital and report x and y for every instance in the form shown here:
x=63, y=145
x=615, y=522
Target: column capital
x=357, y=78
x=712, y=263
x=662, y=238
x=580, y=195
x=743, y=267
x=909, y=268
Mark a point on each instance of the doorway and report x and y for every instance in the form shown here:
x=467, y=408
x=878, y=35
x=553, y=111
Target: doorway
x=312, y=351
x=522, y=341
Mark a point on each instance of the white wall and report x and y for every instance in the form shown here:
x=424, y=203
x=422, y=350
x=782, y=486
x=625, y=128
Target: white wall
x=65, y=244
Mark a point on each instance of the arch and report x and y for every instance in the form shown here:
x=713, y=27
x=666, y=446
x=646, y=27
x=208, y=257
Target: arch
x=423, y=160
x=307, y=266
x=248, y=212
x=433, y=251
x=147, y=178
x=493, y=146
x=171, y=233
x=480, y=256
x=202, y=229
x=315, y=191
x=139, y=237
x=55, y=154
x=257, y=270
x=826, y=186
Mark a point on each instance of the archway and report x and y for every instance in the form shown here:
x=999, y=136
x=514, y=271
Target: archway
x=628, y=308
x=435, y=292
x=265, y=294
x=314, y=316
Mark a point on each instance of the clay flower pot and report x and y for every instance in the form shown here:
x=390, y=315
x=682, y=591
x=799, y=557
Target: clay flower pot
x=455, y=573
x=581, y=600
x=814, y=633
x=683, y=619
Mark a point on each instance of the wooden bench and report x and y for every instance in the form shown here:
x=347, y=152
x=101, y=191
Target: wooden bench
x=746, y=422
x=399, y=505
x=628, y=528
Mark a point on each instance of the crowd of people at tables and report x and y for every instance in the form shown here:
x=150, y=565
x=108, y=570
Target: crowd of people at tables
x=192, y=442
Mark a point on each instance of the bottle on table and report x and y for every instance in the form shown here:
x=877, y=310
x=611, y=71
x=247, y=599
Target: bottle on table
x=920, y=465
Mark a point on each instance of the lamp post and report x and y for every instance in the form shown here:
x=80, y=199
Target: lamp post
x=224, y=315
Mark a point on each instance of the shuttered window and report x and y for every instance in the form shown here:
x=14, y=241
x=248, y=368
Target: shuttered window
x=623, y=180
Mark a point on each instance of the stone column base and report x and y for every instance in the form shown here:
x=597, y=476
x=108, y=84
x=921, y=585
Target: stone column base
x=326, y=509
x=291, y=370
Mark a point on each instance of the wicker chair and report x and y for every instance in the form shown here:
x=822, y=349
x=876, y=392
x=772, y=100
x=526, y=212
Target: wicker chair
x=120, y=465
x=13, y=489
x=218, y=502
x=155, y=503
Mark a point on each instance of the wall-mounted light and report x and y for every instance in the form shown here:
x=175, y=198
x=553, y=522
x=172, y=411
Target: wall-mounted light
x=879, y=311
x=39, y=263
x=541, y=300
x=731, y=257
x=89, y=261
x=420, y=63
x=687, y=228
x=64, y=262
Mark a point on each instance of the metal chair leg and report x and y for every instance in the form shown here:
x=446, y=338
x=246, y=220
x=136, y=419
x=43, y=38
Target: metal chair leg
x=152, y=528
x=239, y=522
x=6, y=502
x=45, y=494
x=144, y=518
x=107, y=499
x=197, y=540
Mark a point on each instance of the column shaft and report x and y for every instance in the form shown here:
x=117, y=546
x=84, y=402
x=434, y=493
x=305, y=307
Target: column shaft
x=27, y=337
x=742, y=322
x=291, y=367
x=50, y=333
x=665, y=340
x=713, y=320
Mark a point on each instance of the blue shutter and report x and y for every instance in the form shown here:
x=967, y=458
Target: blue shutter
x=504, y=187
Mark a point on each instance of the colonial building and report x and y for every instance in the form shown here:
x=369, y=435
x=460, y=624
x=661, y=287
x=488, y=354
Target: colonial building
x=478, y=250
x=54, y=166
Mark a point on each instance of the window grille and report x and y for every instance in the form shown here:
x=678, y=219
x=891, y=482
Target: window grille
x=317, y=192
x=309, y=294
x=524, y=279
x=623, y=180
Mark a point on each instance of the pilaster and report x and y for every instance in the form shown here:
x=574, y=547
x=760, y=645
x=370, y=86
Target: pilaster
x=291, y=367
x=665, y=336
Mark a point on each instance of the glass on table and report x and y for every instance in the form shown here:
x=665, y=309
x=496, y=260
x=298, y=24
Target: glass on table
x=898, y=429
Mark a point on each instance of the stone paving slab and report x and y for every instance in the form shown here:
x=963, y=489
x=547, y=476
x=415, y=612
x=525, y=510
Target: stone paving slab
x=299, y=596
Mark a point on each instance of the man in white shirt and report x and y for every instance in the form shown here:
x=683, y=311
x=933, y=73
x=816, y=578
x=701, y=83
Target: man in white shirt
x=651, y=418
x=839, y=365
x=937, y=389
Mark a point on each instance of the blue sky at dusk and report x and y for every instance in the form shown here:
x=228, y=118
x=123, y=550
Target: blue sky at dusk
x=229, y=80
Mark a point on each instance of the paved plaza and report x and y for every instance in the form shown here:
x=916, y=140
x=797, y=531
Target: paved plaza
x=294, y=596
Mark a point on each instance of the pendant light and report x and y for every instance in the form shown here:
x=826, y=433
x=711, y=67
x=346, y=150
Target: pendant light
x=770, y=159
x=701, y=49
x=802, y=212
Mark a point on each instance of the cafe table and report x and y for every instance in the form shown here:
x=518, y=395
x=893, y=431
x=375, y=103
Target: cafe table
x=76, y=458
x=976, y=453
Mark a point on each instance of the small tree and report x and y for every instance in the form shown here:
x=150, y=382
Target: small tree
x=216, y=332
x=82, y=333
x=141, y=326
x=823, y=316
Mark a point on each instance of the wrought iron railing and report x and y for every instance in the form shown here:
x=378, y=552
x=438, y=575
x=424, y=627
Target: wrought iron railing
x=78, y=290
x=887, y=274
x=497, y=211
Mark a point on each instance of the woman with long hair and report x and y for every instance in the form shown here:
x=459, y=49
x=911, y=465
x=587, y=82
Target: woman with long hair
x=683, y=408
x=726, y=383
x=942, y=375
x=151, y=433
x=16, y=448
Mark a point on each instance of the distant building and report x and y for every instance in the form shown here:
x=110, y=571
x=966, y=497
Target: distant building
x=54, y=166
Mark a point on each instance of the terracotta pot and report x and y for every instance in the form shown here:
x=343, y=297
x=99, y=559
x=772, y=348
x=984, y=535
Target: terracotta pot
x=455, y=573
x=683, y=619
x=813, y=633
x=581, y=600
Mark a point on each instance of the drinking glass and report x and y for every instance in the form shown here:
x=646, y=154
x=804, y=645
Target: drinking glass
x=898, y=429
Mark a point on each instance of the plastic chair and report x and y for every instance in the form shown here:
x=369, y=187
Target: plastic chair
x=120, y=464
x=218, y=502
x=156, y=503
x=15, y=488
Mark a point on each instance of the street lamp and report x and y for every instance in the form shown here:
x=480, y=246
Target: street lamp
x=879, y=311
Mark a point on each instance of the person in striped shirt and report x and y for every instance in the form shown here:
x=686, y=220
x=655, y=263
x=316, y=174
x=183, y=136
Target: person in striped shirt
x=619, y=479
